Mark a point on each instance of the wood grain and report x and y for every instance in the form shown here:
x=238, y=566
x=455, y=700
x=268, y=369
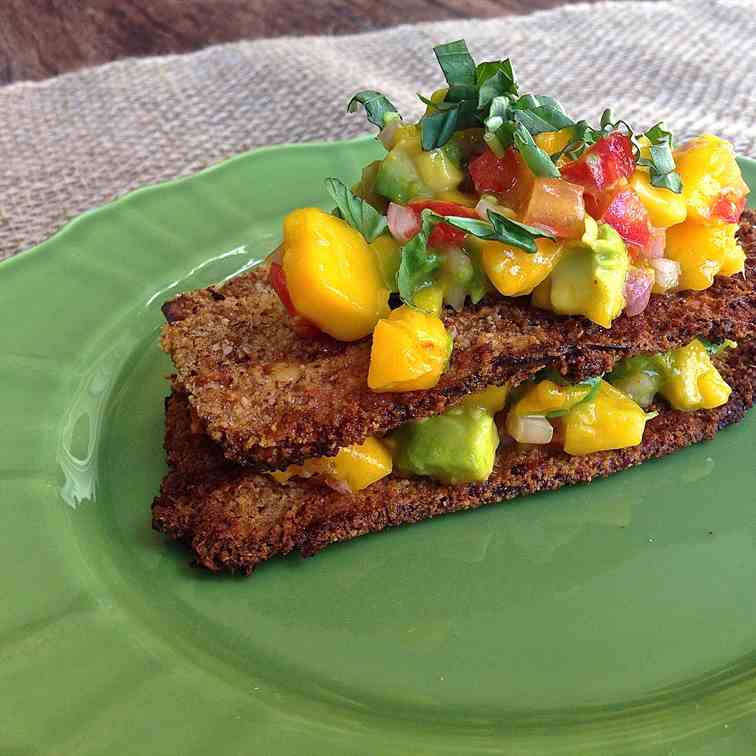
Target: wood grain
x=42, y=38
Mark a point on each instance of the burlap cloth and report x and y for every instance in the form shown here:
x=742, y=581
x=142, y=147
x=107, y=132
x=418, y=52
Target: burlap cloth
x=71, y=143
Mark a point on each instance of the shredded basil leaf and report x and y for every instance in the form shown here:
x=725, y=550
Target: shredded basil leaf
x=498, y=228
x=436, y=129
x=456, y=63
x=494, y=79
x=537, y=160
x=355, y=211
x=376, y=105
x=418, y=266
x=661, y=164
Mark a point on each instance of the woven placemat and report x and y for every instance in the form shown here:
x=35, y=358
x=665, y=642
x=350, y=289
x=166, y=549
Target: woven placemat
x=71, y=143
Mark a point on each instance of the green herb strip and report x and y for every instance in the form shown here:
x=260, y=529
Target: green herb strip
x=456, y=63
x=418, y=267
x=376, y=105
x=355, y=211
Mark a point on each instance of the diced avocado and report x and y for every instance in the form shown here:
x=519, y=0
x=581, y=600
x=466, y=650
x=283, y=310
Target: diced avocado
x=590, y=278
x=438, y=170
x=388, y=253
x=462, y=276
x=458, y=446
x=638, y=377
x=365, y=187
x=398, y=178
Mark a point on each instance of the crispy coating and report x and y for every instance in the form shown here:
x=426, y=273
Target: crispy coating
x=233, y=518
x=272, y=398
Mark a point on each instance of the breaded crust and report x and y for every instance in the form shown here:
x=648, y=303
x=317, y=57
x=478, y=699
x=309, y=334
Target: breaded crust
x=233, y=518
x=271, y=398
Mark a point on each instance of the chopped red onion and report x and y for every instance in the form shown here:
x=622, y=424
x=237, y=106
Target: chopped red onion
x=403, y=222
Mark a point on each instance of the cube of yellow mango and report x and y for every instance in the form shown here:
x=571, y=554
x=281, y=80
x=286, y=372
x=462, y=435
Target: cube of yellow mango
x=546, y=396
x=358, y=466
x=492, y=399
x=708, y=169
x=691, y=382
x=665, y=208
x=332, y=275
x=734, y=258
x=362, y=464
x=703, y=251
x=552, y=142
x=515, y=272
x=410, y=351
x=388, y=255
x=609, y=421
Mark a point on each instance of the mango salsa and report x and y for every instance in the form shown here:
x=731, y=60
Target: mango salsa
x=546, y=396
x=609, y=421
x=691, y=382
x=703, y=251
x=410, y=351
x=515, y=272
x=358, y=466
x=332, y=275
x=589, y=279
x=665, y=208
x=709, y=171
x=552, y=142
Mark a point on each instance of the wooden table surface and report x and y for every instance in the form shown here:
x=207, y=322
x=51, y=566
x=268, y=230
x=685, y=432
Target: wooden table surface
x=42, y=38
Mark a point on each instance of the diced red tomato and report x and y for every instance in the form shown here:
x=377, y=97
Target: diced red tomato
x=623, y=210
x=507, y=176
x=557, y=206
x=494, y=175
x=444, y=235
x=728, y=208
x=601, y=165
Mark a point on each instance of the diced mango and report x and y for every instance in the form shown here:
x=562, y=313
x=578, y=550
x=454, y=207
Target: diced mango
x=492, y=399
x=665, y=208
x=734, y=259
x=708, y=170
x=609, y=421
x=691, y=382
x=546, y=396
x=515, y=272
x=332, y=275
x=358, y=466
x=410, y=351
x=362, y=464
x=552, y=142
x=703, y=251
x=388, y=255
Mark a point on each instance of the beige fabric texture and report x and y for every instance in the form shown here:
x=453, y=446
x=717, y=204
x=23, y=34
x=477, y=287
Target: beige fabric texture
x=77, y=141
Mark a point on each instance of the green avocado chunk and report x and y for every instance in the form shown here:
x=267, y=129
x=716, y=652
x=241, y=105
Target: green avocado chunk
x=458, y=446
x=590, y=278
x=398, y=178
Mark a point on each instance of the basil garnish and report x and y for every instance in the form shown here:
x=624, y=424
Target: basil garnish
x=355, y=211
x=376, y=105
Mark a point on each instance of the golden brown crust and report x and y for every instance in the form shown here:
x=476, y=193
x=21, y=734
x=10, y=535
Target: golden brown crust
x=233, y=518
x=272, y=398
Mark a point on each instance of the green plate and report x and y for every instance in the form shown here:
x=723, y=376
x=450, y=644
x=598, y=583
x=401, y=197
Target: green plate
x=610, y=618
